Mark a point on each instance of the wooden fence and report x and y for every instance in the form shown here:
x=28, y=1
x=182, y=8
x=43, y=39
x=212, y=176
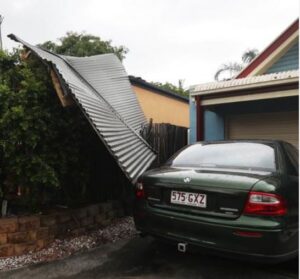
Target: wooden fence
x=166, y=139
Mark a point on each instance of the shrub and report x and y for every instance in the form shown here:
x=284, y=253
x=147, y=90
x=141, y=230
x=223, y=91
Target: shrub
x=43, y=145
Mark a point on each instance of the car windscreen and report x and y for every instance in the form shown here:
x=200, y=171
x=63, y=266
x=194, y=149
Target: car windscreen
x=243, y=155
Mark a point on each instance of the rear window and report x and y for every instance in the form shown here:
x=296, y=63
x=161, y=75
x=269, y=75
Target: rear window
x=240, y=155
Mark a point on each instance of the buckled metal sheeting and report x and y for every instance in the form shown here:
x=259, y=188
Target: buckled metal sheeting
x=96, y=89
x=107, y=75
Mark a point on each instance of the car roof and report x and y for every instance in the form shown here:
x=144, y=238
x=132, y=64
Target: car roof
x=262, y=141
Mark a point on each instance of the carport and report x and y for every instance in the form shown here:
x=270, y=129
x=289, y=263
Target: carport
x=257, y=107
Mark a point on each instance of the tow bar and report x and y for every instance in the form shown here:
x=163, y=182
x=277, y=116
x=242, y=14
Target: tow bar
x=182, y=247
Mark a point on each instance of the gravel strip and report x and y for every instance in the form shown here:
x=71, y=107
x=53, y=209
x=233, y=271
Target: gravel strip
x=122, y=228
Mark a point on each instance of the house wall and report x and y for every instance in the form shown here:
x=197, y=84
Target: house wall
x=289, y=61
x=162, y=109
x=193, y=122
x=213, y=126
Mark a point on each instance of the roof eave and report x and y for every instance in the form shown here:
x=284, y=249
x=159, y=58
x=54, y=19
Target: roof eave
x=147, y=85
x=247, y=86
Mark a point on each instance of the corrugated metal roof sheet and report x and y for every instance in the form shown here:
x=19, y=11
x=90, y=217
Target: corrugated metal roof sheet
x=241, y=83
x=107, y=75
x=102, y=91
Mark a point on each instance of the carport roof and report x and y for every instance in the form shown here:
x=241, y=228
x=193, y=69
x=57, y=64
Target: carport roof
x=100, y=87
x=275, y=79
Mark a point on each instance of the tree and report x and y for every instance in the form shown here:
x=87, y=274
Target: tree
x=179, y=89
x=42, y=143
x=229, y=70
x=45, y=149
x=81, y=44
x=249, y=55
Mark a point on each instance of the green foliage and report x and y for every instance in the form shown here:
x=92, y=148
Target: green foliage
x=81, y=44
x=230, y=70
x=249, y=55
x=179, y=89
x=42, y=143
x=45, y=150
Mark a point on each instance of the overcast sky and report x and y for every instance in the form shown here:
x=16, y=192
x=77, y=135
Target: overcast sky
x=167, y=40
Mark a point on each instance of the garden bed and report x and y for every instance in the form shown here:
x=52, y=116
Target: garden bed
x=120, y=228
x=22, y=234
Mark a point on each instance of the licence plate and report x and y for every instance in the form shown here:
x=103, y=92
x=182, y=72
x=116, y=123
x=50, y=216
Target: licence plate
x=190, y=199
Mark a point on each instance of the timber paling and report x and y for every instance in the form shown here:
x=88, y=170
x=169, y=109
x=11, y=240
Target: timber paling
x=166, y=139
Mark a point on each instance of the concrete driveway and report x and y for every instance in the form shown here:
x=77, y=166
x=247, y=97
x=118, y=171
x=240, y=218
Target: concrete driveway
x=146, y=258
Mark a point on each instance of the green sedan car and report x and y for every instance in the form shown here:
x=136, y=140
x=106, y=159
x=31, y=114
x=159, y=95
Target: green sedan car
x=234, y=198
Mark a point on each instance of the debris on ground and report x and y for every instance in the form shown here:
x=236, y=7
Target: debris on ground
x=122, y=228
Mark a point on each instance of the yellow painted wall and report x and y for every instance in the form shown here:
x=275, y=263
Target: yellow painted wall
x=162, y=109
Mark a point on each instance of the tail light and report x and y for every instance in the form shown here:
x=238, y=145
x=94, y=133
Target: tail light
x=139, y=191
x=260, y=203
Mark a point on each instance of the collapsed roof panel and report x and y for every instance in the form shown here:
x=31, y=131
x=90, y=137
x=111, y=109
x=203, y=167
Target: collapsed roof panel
x=107, y=75
x=117, y=127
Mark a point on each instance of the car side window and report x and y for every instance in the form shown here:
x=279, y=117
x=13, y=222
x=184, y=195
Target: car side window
x=292, y=159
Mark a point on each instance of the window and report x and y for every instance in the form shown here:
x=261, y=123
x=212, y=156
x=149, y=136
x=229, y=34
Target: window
x=241, y=155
